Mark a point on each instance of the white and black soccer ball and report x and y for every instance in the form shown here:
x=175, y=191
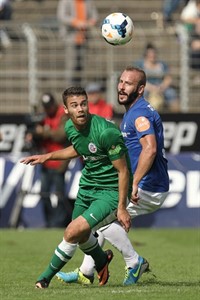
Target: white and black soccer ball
x=117, y=29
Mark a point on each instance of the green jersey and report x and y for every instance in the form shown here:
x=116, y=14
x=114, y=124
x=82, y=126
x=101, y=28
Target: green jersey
x=99, y=143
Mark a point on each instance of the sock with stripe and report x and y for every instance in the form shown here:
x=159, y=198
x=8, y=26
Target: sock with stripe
x=91, y=247
x=62, y=255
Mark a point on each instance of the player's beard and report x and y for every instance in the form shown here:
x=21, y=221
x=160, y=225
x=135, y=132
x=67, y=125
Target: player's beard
x=131, y=97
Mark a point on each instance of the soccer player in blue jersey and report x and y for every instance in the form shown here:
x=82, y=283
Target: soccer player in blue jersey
x=142, y=130
x=103, y=186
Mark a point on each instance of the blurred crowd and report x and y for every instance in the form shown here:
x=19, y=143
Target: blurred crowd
x=76, y=20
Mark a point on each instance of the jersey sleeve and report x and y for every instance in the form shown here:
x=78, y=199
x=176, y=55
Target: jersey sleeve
x=143, y=123
x=113, y=143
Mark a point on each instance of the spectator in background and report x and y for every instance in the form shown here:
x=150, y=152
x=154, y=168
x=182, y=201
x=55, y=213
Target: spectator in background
x=97, y=104
x=169, y=6
x=50, y=136
x=190, y=16
x=159, y=90
x=76, y=18
x=5, y=15
x=195, y=49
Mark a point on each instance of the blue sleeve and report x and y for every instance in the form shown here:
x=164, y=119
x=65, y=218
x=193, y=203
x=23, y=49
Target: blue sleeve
x=143, y=123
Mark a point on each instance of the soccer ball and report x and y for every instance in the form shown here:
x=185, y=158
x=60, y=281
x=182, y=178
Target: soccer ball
x=117, y=29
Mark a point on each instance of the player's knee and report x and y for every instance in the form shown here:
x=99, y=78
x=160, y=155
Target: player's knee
x=76, y=232
x=71, y=234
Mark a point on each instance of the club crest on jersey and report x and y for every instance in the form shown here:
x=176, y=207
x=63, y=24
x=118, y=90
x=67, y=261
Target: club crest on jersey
x=92, y=148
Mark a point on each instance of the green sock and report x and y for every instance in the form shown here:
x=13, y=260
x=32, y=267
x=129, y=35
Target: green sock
x=59, y=259
x=92, y=248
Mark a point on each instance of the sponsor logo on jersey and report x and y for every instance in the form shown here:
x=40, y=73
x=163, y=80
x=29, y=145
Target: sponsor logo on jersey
x=125, y=134
x=93, y=158
x=114, y=150
x=92, y=148
x=142, y=124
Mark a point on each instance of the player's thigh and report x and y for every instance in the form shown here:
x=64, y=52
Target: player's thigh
x=148, y=202
x=105, y=203
x=82, y=203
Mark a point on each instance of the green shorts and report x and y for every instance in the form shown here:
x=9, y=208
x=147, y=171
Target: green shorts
x=95, y=205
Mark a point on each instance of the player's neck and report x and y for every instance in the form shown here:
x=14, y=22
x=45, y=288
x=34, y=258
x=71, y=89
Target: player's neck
x=128, y=106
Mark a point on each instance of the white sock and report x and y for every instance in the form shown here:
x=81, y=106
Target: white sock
x=117, y=236
x=68, y=248
x=87, y=266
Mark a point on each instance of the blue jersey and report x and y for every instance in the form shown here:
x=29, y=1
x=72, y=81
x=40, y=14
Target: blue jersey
x=140, y=120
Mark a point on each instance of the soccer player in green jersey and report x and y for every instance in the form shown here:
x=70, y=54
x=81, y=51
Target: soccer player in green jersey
x=103, y=188
x=143, y=134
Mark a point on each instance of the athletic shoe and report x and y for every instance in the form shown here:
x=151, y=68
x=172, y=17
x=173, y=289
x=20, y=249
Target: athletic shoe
x=76, y=276
x=103, y=274
x=132, y=275
x=42, y=284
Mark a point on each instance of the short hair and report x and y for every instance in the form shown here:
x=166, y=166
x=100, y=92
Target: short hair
x=142, y=73
x=73, y=91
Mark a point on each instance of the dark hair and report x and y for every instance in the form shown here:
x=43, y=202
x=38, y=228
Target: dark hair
x=149, y=46
x=143, y=79
x=73, y=91
x=48, y=100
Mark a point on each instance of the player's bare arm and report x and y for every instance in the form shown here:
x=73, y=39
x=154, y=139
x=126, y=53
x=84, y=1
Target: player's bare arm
x=123, y=175
x=64, y=154
x=146, y=159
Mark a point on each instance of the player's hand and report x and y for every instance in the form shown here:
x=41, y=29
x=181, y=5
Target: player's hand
x=34, y=159
x=134, y=195
x=124, y=218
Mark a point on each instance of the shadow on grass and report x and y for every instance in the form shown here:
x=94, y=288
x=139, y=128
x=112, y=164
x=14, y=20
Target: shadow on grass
x=149, y=282
x=154, y=281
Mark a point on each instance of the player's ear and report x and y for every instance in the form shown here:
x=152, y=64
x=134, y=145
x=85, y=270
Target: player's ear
x=65, y=109
x=141, y=89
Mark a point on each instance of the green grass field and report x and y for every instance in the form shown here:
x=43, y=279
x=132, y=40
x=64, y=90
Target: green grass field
x=174, y=256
